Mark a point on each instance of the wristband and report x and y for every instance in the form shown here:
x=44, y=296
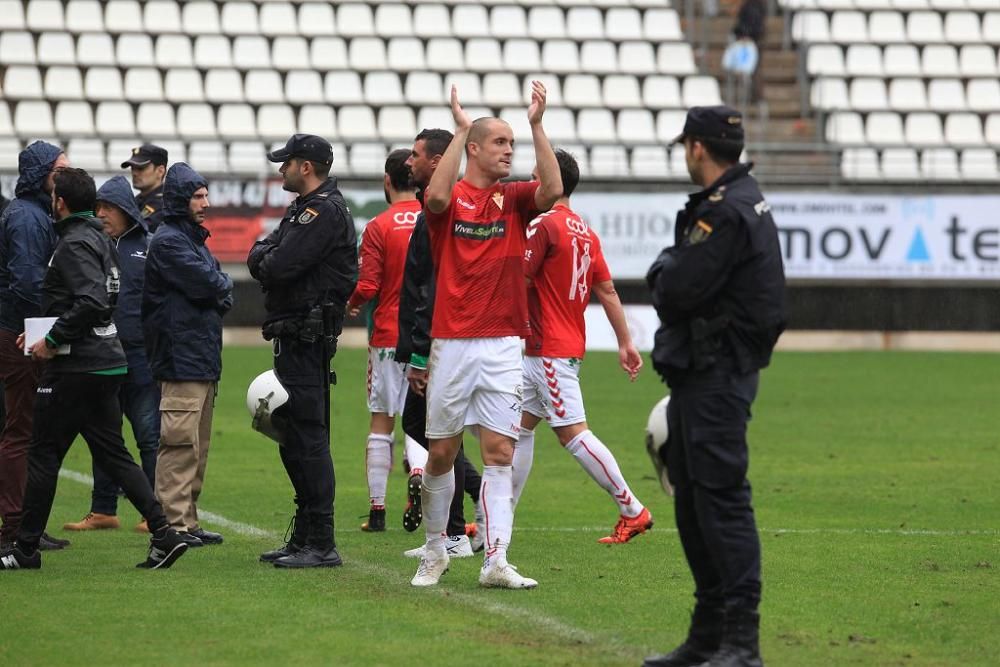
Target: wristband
x=418, y=361
x=50, y=342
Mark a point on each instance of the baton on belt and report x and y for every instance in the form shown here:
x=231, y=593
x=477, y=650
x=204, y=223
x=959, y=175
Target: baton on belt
x=330, y=332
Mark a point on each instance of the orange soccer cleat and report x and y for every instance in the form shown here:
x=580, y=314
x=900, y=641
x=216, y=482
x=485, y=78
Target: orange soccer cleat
x=627, y=528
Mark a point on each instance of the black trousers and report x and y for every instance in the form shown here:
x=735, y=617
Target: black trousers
x=466, y=475
x=707, y=458
x=68, y=405
x=305, y=447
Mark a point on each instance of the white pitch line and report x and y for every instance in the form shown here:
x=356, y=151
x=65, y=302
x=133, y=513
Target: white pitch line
x=789, y=531
x=513, y=612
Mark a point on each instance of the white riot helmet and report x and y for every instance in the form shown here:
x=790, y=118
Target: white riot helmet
x=656, y=439
x=265, y=395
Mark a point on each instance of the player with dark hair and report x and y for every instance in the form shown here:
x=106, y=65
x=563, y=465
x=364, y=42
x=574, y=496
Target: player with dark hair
x=383, y=255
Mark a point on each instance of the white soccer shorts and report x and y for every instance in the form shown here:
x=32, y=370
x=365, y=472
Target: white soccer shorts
x=552, y=390
x=474, y=381
x=386, y=382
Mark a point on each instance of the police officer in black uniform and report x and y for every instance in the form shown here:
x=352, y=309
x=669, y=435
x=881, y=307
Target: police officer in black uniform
x=149, y=167
x=720, y=294
x=308, y=268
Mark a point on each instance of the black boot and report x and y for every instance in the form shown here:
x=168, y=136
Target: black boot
x=703, y=640
x=740, y=646
x=298, y=528
x=320, y=549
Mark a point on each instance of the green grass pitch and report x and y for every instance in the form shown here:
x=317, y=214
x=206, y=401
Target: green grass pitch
x=877, y=489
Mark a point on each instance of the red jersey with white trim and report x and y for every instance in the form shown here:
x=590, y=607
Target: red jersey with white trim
x=383, y=256
x=563, y=260
x=478, y=246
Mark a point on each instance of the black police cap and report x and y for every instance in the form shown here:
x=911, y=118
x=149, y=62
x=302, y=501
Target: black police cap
x=143, y=155
x=304, y=146
x=718, y=122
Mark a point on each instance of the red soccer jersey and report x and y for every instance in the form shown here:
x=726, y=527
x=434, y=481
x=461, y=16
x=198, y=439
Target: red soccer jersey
x=563, y=260
x=383, y=256
x=478, y=245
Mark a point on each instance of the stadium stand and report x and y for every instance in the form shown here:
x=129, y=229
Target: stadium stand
x=873, y=83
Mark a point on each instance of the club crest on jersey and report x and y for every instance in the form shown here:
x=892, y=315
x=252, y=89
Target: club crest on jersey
x=498, y=199
x=307, y=216
x=480, y=231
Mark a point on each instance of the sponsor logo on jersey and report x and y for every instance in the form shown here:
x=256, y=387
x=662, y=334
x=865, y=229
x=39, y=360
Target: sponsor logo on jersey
x=465, y=204
x=480, y=231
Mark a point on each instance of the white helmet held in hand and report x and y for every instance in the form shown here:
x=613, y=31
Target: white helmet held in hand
x=265, y=395
x=656, y=440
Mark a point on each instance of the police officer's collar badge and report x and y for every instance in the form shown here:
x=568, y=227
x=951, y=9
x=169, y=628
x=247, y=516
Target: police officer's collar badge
x=717, y=195
x=699, y=232
x=147, y=211
x=307, y=216
x=498, y=200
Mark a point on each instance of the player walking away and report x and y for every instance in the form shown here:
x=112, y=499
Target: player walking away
x=562, y=263
x=383, y=255
x=477, y=229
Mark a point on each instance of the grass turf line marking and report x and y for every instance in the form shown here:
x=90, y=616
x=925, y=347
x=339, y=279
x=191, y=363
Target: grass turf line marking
x=551, y=624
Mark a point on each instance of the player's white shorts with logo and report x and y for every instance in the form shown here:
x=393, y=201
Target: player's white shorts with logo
x=474, y=381
x=552, y=390
x=386, y=382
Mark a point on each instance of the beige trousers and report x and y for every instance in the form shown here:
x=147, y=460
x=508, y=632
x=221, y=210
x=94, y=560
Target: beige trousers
x=185, y=434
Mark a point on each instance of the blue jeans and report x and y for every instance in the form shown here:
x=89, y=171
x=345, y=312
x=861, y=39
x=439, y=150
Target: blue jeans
x=140, y=403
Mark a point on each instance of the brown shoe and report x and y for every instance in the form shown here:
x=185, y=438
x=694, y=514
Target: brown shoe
x=95, y=521
x=141, y=527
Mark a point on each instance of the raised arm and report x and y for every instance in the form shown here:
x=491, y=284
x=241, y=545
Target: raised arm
x=437, y=196
x=550, y=186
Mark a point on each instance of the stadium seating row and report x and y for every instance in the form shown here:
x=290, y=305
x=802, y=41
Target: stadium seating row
x=902, y=5
x=360, y=159
x=872, y=94
x=892, y=27
x=888, y=128
x=351, y=19
x=349, y=123
x=904, y=164
x=617, y=91
x=970, y=60
x=403, y=54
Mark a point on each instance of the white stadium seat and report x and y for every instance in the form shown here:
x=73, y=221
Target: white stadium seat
x=328, y=53
x=848, y=27
x=209, y=156
x=45, y=15
x=316, y=20
x=508, y=21
x=237, y=121
x=275, y=121
x=115, y=119
x=212, y=51
x=223, y=85
x=444, y=54
x=977, y=60
x=357, y=123
x=393, y=21
x=939, y=60
x=431, y=21
x=11, y=15
x=240, y=18
x=134, y=51
x=992, y=129
x=636, y=126
x=828, y=59
x=143, y=84
x=162, y=17
x=74, y=119
x=886, y=27
x=248, y=157
x=598, y=57
x=649, y=162
x=584, y=23
x=318, y=119
x=396, y=123
x=304, y=87
x=962, y=28
x=63, y=83
x=946, y=95
x=95, y=49
x=984, y=95
x=940, y=164
x=367, y=159
x=963, y=129
x=367, y=53
x=156, y=119
x=560, y=125
x=924, y=27
x=56, y=48
x=406, y=54
x=88, y=154
x=900, y=164
x=623, y=23
x=810, y=27
x=924, y=129
x=546, y=23
x=183, y=85
x=901, y=60
x=845, y=127
x=661, y=92
x=434, y=117
x=907, y=95
x=288, y=52
x=201, y=18
x=123, y=16
x=21, y=82
x=596, y=126
x=991, y=27
x=582, y=90
x=521, y=55
x=501, y=90
x=608, y=162
x=483, y=55
x=174, y=51
x=196, y=121
x=860, y=164
x=669, y=124
x=979, y=164
x=469, y=88
x=103, y=83
x=470, y=21
x=423, y=88
x=17, y=48
x=700, y=91
x=84, y=16
x=33, y=119
x=251, y=51
x=560, y=56
x=868, y=94
x=264, y=86
x=278, y=19
x=621, y=91
x=884, y=128
x=864, y=60
x=6, y=125
x=637, y=58
x=661, y=25
x=381, y=88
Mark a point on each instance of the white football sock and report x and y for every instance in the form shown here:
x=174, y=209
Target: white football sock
x=378, y=461
x=436, y=492
x=496, y=497
x=415, y=455
x=524, y=456
x=600, y=464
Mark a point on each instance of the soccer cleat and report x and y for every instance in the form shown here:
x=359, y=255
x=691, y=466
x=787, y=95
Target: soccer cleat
x=164, y=551
x=497, y=574
x=310, y=556
x=456, y=546
x=476, y=539
x=430, y=570
x=627, y=528
x=15, y=559
x=376, y=520
x=413, y=514
x=95, y=521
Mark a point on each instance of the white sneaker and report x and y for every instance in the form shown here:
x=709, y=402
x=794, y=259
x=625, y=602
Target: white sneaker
x=496, y=574
x=430, y=570
x=457, y=546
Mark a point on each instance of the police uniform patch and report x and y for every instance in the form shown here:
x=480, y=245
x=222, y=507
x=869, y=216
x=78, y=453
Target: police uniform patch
x=307, y=216
x=699, y=232
x=147, y=211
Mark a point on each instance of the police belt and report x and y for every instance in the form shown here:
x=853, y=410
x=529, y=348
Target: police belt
x=308, y=329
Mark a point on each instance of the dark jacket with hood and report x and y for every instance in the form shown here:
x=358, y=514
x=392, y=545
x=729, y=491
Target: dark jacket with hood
x=132, y=247
x=27, y=238
x=416, y=298
x=151, y=208
x=80, y=288
x=186, y=294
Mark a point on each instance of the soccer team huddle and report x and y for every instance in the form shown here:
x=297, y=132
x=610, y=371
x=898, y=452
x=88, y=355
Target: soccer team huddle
x=509, y=261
